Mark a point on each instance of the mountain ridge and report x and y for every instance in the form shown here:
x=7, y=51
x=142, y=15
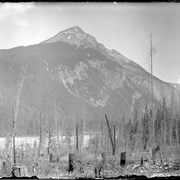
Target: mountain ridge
x=113, y=52
x=85, y=81
x=80, y=35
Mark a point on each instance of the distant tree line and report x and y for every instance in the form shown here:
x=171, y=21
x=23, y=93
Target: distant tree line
x=128, y=135
x=138, y=133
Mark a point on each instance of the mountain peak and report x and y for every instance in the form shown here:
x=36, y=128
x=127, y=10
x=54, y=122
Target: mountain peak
x=76, y=29
x=74, y=36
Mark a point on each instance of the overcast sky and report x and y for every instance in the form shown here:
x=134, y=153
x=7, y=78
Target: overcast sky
x=122, y=26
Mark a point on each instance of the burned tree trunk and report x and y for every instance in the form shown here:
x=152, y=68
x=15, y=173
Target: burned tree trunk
x=14, y=148
x=114, y=143
x=77, y=140
x=110, y=135
x=48, y=148
x=15, y=113
x=40, y=137
x=50, y=157
x=71, y=163
x=49, y=143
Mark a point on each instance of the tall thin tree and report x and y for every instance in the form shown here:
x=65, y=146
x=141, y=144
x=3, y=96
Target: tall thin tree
x=152, y=97
x=55, y=120
x=150, y=57
x=16, y=110
x=40, y=135
x=77, y=139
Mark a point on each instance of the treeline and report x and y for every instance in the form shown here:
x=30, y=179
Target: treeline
x=137, y=134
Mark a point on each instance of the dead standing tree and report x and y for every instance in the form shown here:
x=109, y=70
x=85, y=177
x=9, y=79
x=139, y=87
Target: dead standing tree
x=113, y=143
x=40, y=135
x=99, y=167
x=15, y=113
x=77, y=140
x=72, y=157
x=49, y=146
x=113, y=140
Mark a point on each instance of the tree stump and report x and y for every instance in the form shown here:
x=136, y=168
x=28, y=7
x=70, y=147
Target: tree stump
x=100, y=166
x=97, y=171
x=71, y=162
x=123, y=159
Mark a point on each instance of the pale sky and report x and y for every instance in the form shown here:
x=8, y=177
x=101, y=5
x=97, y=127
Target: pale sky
x=125, y=27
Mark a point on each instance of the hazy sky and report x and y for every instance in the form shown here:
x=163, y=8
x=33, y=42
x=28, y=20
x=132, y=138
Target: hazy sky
x=122, y=26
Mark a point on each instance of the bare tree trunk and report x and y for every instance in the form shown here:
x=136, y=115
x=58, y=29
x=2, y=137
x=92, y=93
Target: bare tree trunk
x=77, y=140
x=55, y=120
x=40, y=136
x=110, y=135
x=49, y=142
x=102, y=135
x=14, y=146
x=114, y=139
x=34, y=123
x=15, y=114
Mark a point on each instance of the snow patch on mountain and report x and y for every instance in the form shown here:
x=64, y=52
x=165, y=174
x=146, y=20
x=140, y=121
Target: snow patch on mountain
x=68, y=76
x=10, y=68
x=95, y=63
x=46, y=64
x=135, y=97
x=99, y=102
x=113, y=80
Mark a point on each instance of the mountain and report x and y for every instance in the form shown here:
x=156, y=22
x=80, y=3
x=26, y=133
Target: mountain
x=73, y=77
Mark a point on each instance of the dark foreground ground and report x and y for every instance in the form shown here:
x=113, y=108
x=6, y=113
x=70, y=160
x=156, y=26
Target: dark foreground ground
x=84, y=169
x=130, y=177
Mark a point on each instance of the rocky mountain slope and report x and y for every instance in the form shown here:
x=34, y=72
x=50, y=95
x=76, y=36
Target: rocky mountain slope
x=80, y=78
